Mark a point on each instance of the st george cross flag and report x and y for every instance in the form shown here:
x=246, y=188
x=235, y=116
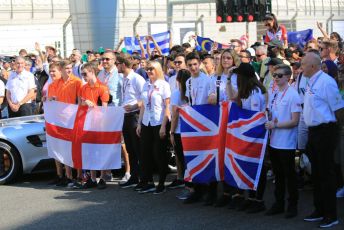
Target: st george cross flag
x=83, y=137
x=163, y=40
x=223, y=143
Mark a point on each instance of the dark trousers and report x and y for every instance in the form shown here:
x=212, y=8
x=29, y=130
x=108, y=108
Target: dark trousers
x=153, y=151
x=132, y=143
x=24, y=110
x=178, y=151
x=283, y=166
x=322, y=142
x=261, y=186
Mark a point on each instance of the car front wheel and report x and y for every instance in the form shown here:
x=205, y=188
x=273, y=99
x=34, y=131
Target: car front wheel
x=10, y=164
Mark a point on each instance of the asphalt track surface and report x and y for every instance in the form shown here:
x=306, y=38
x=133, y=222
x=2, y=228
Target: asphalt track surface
x=32, y=204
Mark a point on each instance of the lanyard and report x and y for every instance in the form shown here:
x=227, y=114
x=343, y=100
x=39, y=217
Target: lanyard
x=275, y=97
x=310, y=87
x=150, y=92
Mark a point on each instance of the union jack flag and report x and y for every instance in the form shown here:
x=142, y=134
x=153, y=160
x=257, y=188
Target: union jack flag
x=223, y=143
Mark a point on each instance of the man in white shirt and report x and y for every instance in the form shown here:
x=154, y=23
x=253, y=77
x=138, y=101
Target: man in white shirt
x=131, y=93
x=285, y=109
x=179, y=63
x=323, y=107
x=197, y=92
x=76, y=59
x=20, y=90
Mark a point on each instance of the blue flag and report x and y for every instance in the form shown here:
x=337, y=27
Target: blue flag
x=207, y=43
x=300, y=37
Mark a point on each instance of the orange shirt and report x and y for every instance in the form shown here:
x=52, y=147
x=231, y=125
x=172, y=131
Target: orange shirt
x=92, y=93
x=65, y=91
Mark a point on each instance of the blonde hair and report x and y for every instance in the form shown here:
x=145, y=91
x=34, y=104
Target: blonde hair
x=235, y=57
x=158, y=69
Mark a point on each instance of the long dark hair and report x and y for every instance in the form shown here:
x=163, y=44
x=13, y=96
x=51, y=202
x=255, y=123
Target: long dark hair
x=272, y=17
x=247, y=84
x=182, y=76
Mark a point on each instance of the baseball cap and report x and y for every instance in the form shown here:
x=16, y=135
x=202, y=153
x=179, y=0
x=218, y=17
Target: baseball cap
x=274, y=61
x=276, y=43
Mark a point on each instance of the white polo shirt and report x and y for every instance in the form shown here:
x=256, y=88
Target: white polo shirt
x=2, y=89
x=176, y=100
x=255, y=102
x=153, y=97
x=173, y=83
x=19, y=85
x=300, y=86
x=200, y=89
x=132, y=88
x=282, y=106
x=322, y=99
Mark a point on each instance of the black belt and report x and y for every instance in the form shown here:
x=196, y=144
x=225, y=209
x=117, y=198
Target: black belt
x=131, y=113
x=323, y=126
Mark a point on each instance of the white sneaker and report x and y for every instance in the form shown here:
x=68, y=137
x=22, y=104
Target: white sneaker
x=125, y=178
x=340, y=193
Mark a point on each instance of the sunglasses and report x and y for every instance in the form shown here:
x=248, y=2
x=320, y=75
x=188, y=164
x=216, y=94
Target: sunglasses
x=106, y=59
x=149, y=69
x=84, y=74
x=177, y=62
x=279, y=75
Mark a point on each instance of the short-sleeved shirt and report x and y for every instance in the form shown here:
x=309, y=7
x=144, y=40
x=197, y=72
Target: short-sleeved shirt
x=176, y=100
x=153, y=97
x=300, y=85
x=281, y=34
x=65, y=91
x=132, y=88
x=92, y=93
x=114, y=82
x=2, y=89
x=322, y=99
x=198, y=89
x=19, y=85
x=255, y=102
x=282, y=106
x=173, y=83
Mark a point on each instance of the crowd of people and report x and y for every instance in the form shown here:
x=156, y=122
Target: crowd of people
x=300, y=88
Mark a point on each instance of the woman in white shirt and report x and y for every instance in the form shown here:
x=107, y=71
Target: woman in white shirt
x=178, y=98
x=251, y=95
x=154, y=116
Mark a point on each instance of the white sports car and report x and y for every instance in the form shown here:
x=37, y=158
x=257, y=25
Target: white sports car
x=22, y=146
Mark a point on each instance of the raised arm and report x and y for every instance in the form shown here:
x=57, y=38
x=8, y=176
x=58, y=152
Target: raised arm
x=319, y=25
x=143, y=54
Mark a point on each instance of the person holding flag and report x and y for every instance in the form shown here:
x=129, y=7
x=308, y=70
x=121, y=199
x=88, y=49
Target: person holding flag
x=91, y=94
x=284, y=114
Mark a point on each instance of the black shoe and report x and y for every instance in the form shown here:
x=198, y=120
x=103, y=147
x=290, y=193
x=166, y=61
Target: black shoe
x=193, y=198
x=275, y=209
x=236, y=202
x=291, y=212
x=176, y=184
x=209, y=199
x=315, y=216
x=130, y=183
x=159, y=189
x=256, y=206
x=139, y=186
x=222, y=201
x=101, y=184
x=63, y=182
x=147, y=188
x=89, y=184
x=245, y=205
x=328, y=222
